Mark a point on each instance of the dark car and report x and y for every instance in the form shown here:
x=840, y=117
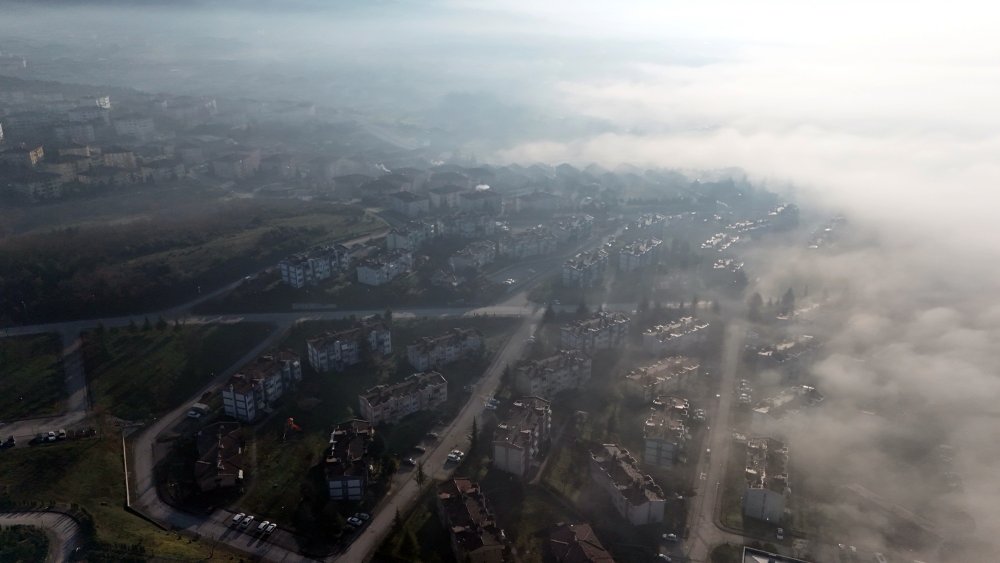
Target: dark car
x=8, y=443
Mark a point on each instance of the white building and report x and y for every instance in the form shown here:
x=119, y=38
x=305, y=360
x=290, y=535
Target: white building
x=383, y=268
x=638, y=254
x=334, y=351
x=665, y=432
x=454, y=345
x=662, y=376
x=766, y=480
x=257, y=385
x=603, y=331
x=521, y=435
x=568, y=369
x=475, y=256
x=311, y=268
x=536, y=241
x=586, y=269
x=410, y=237
x=636, y=497
x=573, y=227
x=676, y=337
x=388, y=404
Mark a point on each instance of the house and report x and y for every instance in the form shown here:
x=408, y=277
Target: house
x=602, y=331
x=567, y=369
x=636, y=496
x=454, y=345
x=388, y=404
x=475, y=256
x=385, y=267
x=445, y=196
x=465, y=513
x=258, y=384
x=667, y=374
x=409, y=203
x=676, y=337
x=525, y=244
x=665, y=432
x=347, y=460
x=766, y=480
x=639, y=254
x=521, y=436
x=220, y=462
x=586, y=269
x=334, y=351
x=577, y=543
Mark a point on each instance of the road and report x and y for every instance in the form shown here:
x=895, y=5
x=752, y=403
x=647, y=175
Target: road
x=702, y=520
x=62, y=531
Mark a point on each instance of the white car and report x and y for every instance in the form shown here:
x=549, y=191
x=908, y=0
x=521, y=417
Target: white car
x=356, y=522
x=270, y=528
x=246, y=522
x=363, y=516
x=780, y=534
x=262, y=527
x=670, y=537
x=238, y=518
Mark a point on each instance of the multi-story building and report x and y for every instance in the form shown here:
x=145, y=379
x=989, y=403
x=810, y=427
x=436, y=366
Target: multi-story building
x=586, y=269
x=532, y=242
x=388, y=404
x=577, y=543
x=409, y=203
x=220, y=461
x=23, y=157
x=445, y=196
x=410, y=237
x=638, y=254
x=766, y=415
x=538, y=202
x=520, y=437
x=467, y=225
x=568, y=369
x=667, y=374
x=139, y=126
x=313, y=267
x=474, y=256
x=573, y=227
x=602, y=331
x=480, y=200
x=383, y=268
x=119, y=157
x=456, y=344
x=334, y=351
x=636, y=496
x=347, y=460
x=676, y=337
x=665, y=432
x=766, y=480
x=465, y=513
x=257, y=385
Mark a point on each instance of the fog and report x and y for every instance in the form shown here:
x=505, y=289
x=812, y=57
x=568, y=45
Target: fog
x=886, y=113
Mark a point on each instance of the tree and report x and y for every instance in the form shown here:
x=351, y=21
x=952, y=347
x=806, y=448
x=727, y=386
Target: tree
x=421, y=476
x=397, y=521
x=694, y=304
x=146, y=325
x=754, y=306
x=387, y=316
x=788, y=302
x=475, y=435
x=549, y=315
x=582, y=309
x=132, y=326
x=161, y=324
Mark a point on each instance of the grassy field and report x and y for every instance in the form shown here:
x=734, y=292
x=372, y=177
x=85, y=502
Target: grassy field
x=136, y=374
x=23, y=543
x=31, y=376
x=89, y=473
x=420, y=539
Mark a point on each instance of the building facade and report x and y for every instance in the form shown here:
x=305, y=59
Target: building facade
x=636, y=497
x=521, y=436
x=257, y=385
x=347, y=460
x=335, y=351
x=568, y=369
x=388, y=404
x=465, y=513
x=454, y=345
x=603, y=331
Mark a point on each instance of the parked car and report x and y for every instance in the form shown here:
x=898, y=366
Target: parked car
x=61, y=434
x=270, y=528
x=780, y=534
x=356, y=522
x=238, y=518
x=9, y=443
x=263, y=526
x=50, y=436
x=420, y=449
x=410, y=461
x=246, y=521
x=670, y=537
x=363, y=516
x=433, y=435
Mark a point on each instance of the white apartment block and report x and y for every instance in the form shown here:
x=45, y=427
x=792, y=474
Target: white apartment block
x=636, y=497
x=602, y=331
x=408, y=238
x=568, y=369
x=521, y=435
x=388, y=404
x=334, y=351
x=536, y=241
x=586, y=269
x=257, y=385
x=676, y=337
x=638, y=254
x=665, y=432
x=766, y=480
x=311, y=268
x=383, y=268
x=454, y=345
x=475, y=256
x=662, y=376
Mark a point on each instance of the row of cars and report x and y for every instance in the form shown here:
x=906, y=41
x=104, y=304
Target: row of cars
x=245, y=522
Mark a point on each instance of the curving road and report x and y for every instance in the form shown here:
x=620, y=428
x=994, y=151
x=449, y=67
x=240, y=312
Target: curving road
x=63, y=532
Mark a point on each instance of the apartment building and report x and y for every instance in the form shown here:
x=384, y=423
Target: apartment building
x=382, y=268
x=522, y=434
x=480, y=200
x=465, y=513
x=568, y=369
x=676, y=337
x=766, y=415
x=467, y=225
x=410, y=237
x=409, y=203
x=636, y=496
x=347, y=460
x=602, y=331
x=310, y=268
x=388, y=404
x=662, y=376
x=475, y=256
x=335, y=351
x=258, y=384
x=573, y=227
x=766, y=480
x=138, y=126
x=536, y=241
x=445, y=196
x=665, y=432
x=586, y=269
x=638, y=254
x=456, y=344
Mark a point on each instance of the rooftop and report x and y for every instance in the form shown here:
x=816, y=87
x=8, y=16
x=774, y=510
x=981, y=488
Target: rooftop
x=767, y=462
x=561, y=360
x=676, y=329
x=468, y=516
x=598, y=321
x=220, y=451
x=623, y=469
x=349, y=443
x=666, y=419
x=453, y=335
x=577, y=543
x=522, y=418
x=412, y=384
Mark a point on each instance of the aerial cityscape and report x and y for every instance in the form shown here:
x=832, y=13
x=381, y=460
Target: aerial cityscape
x=452, y=282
